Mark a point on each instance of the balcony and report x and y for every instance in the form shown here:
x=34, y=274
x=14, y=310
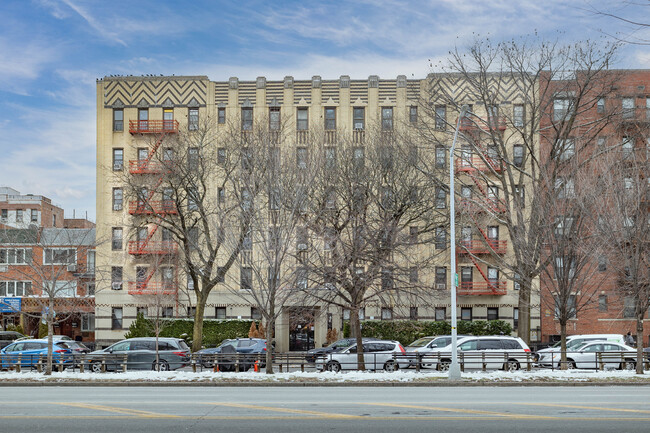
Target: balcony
x=152, y=126
x=472, y=124
x=483, y=247
x=358, y=136
x=491, y=205
x=302, y=136
x=471, y=288
x=138, y=248
x=330, y=137
x=142, y=166
x=151, y=288
x=152, y=207
x=476, y=163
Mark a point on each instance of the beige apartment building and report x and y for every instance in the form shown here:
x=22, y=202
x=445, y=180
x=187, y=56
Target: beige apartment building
x=135, y=115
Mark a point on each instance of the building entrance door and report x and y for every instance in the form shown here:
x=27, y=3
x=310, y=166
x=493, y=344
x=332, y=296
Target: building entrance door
x=301, y=329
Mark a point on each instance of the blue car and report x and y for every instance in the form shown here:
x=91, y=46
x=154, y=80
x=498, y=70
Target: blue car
x=28, y=352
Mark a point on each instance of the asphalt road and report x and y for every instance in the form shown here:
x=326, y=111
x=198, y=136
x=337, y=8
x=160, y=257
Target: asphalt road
x=299, y=409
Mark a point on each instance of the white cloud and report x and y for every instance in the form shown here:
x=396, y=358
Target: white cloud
x=23, y=61
x=94, y=23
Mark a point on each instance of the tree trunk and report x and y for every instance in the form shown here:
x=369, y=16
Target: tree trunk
x=49, y=317
x=270, y=326
x=523, y=329
x=355, y=330
x=639, y=343
x=197, y=334
x=563, y=364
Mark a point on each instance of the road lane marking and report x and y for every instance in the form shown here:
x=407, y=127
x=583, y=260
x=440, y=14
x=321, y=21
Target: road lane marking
x=121, y=410
x=467, y=411
x=288, y=410
x=573, y=406
x=321, y=418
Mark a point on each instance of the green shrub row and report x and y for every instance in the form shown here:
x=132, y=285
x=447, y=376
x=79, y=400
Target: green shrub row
x=214, y=331
x=407, y=331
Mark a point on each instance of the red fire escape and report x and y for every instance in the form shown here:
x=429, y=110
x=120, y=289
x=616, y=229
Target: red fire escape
x=144, y=205
x=477, y=165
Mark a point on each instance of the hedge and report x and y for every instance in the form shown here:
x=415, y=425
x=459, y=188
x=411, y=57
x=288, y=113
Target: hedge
x=407, y=331
x=214, y=331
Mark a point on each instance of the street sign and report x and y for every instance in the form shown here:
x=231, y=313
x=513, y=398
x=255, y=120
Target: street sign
x=10, y=305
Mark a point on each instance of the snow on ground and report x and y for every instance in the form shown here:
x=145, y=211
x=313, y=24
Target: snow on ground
x=329, y=377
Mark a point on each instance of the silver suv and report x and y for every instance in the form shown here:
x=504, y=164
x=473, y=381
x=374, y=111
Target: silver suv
x=379, y=354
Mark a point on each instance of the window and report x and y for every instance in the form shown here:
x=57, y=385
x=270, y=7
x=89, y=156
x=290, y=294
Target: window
x=193, y=119
x=441, y=314
x=256, y=314
x=570, y=307
x=565, y=268
x=15, y=288
x=441, y=117
x=492, y=274
x=359, y=118
x=192, y=199
x=245, y=279
x=4, y=215
x=88, y=322
x=118, y=159
x=386, y=313
x=413, y=275
x=518, y=155
x=516, y=284
x=566, y=149
x=220, y=313
x=246, y=119
x=193, y=158
x=330, y=158
x=413, y=313
x=518, y=116
x=387, y=118
x=141, y=311
x=628, y=184
x=59, y=256
x=118, y=119
x=143, y=119
x=628, y=108
x=387, y=281
x=466, y=314
x=19, y=215
x=629, y=307
x=441, y=238
x=330, y=118
x=62, y=289
x=466, y=275
x=441, y=278
x=413, y=114
x=562, y=109
x=117, y=198
x=116, y=277
x=346, y=314
x=493, y=233
x=565, y=187
x=515, y=318
x=221, y=115
x=168, y=119
x=493, y=313
x=34, y=215
x=90, y=289
x=15, y=256
x=627, y=147
x=602, y=264
x=54, y=220
x=167, y=312
x=441, y=198
x=301, y=278
x=600, y=105
x=602, y=303
x=301, y=158
x=274, y=118
x=359, y=157
x=302, y=119
x=563, y=225
x=466, y=192
x=116, y=238
x=441, y=157
x=116, y=318
x=413, y=234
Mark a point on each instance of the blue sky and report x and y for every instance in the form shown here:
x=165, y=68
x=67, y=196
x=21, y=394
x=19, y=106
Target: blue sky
x=52, y=51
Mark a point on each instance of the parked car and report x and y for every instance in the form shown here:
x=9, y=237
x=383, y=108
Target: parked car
x=377, y=354
x=256, y=347
x=574, y=341
x=589, y=355
x=28, y=352
x=77, y=347
x=173, y=353
x=313, y=354
x=425, y=344
x=8, y=337
x=500, y=351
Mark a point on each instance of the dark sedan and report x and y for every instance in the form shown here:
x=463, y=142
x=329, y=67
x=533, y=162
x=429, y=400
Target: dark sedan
x=256, y=347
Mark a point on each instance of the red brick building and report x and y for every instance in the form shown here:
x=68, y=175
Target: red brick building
x=617, y=119
x=22, y=210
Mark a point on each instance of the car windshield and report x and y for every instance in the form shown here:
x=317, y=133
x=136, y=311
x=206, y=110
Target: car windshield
x=421, y=342
x=441, y=342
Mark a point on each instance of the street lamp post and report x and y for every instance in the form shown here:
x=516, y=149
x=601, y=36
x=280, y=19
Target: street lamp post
x=454, y=368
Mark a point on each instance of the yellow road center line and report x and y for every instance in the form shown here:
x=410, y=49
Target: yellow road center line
x=287, y=410
x=125, y=411
x=317, y=418
x=573, y=406
x=470, y=411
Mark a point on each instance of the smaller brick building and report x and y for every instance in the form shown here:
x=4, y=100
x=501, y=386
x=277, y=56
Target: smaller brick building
x=22, y=210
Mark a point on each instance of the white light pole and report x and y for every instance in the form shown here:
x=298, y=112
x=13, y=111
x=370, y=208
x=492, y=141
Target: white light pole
x=454, y=368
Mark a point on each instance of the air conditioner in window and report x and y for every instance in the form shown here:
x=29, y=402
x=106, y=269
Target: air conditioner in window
x=441, y=286
x=4, y=268
x=116, y=286
x=72, y=268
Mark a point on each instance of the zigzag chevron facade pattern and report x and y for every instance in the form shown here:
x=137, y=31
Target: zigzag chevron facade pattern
x=155, y=92
x=444, y=88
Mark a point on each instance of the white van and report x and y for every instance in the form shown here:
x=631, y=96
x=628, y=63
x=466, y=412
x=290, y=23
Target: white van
x=575, y=341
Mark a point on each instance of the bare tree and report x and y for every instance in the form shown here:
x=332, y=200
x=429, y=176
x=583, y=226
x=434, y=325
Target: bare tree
x=54, y=263
x=531, y=103
x=369, y=217
x=627, y=14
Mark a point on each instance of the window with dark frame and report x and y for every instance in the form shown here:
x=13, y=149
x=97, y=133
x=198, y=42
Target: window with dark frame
x=602, y=303
x=330, y=118
x=118, y=119
x=359, y=118
x=118, y=159
x=118, y=198
x=441, y=157
x=193, y=119
x=518, y=155
x=441, y=117
x=116, y=278
x=256, y=314
x=386, y=118
x=246, y=279
x=518, y=115
x=413, y=114
x=441, y=238
x=413, y=313
x=220, y=313
x=274, y=118
x=493, y=313
x=116, y=238
x=600, y=105
x=116, y=318
x=441, y=314
x=302, y=119
x=386, y=313
x=246, y=119
x=441, y=278
x=466, y=314
x=221, y=115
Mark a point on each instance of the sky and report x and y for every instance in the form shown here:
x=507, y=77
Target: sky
x=52, y=52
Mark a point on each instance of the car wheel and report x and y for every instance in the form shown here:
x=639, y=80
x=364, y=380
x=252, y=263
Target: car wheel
x=630, y=365
x=511, y=365
x=161, y=366
x=333, y=366
x=570, y=364
x=444, y=364
x=96, y=366
x=391, y=366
